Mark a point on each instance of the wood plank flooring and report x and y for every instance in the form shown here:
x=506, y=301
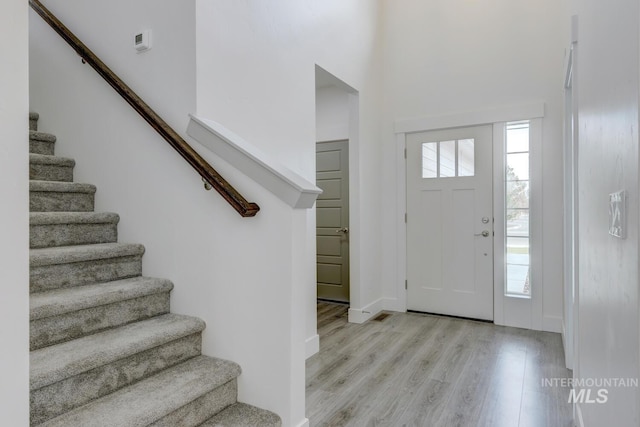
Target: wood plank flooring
x=430, y=371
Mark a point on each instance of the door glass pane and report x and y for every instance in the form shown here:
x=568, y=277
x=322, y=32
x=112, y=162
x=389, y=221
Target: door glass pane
x=430, y=160
x=518, y=222
x=518, y=137
x=518, y=280
x=447, y=159
x=517, y=166
x=517, y=196
x=466, y=157
x=518, y=266
x=518, y=250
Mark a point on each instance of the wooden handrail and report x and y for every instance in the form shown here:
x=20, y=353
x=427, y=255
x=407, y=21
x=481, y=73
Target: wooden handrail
x=208, y=173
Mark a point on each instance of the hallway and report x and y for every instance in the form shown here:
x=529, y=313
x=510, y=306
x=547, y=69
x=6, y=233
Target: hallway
x=422, y=370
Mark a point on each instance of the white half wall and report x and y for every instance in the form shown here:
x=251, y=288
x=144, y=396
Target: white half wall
x=256, y=76
x=14, y=225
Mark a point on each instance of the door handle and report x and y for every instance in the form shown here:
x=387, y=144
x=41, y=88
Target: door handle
x=485, y=233
x=344, y=230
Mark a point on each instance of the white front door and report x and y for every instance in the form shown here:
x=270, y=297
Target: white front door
x=450, y=222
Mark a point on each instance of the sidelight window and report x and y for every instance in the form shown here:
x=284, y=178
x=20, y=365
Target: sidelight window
x=517, y=209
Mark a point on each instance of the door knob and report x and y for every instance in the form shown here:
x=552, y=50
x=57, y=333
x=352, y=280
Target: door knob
x=485, y=233
x=344, y=230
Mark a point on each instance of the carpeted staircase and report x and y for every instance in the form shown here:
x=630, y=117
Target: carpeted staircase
x=105, y=349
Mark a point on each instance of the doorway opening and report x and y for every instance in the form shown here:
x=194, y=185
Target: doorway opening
x=336, y=140
x=336, y=216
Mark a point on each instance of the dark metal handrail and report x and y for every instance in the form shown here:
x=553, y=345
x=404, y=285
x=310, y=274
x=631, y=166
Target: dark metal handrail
x=208, y=173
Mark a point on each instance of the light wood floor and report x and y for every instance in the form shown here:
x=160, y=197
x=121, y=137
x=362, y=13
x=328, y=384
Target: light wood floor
x=422, y=370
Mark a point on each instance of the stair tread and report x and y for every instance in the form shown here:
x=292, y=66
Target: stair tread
x=60, y=361
x=243, y=415
x=67, y=300
x=61, y=187
x=149, y=400
x=80, y=253
x=46, y=218
x=42, y=136
x=45, y=159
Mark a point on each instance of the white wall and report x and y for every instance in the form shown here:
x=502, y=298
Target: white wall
x=455, y=56
x=252, y=280
x=14, y=228
x=256, y=76
x=332, y=114
x=608, y=161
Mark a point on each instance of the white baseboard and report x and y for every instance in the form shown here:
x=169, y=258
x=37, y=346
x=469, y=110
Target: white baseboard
x=393, y=304
x=312, y=345
x=552, y=323
x=303, y=423
x=568, y=358
x=579, y=422
x=365, y=313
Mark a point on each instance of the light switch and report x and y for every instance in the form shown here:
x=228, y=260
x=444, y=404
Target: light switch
x=617, y=214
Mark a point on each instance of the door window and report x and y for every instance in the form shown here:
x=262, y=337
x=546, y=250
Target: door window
x=448, y=159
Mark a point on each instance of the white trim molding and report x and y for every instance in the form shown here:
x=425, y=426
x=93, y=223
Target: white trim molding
x=367, y=312
x=284, y=183
x=312, y=345
x=532, y=110
x=527, y=311
x=553, y=324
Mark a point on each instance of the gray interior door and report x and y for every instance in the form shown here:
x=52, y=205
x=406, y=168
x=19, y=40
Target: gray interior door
x=332, y=220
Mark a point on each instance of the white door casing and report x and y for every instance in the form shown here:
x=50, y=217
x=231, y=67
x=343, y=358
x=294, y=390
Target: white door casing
x=450, y=223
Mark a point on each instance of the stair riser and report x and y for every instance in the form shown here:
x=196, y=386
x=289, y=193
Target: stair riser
x=201, y=409
x=41, y=147
x=57, y=329
x=48, y=201
x=62, y=396
x=51, y=172
x=51, y=235
x=44, y=278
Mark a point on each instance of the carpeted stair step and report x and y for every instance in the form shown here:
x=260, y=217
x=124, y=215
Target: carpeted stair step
x=49, y=196
x=33, y=121
x=64, y=314
x=185, y=395
x=48, y=229
x=68, y=375
x=50, y=168
x=67, y=266
x=41, y=143
x=243, y=415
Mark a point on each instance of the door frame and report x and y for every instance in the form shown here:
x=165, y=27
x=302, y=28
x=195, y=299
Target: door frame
x=490, y=116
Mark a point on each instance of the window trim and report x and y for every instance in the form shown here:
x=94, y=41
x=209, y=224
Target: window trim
x=516, y=310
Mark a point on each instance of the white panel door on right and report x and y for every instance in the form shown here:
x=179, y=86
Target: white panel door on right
x=450, y=222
